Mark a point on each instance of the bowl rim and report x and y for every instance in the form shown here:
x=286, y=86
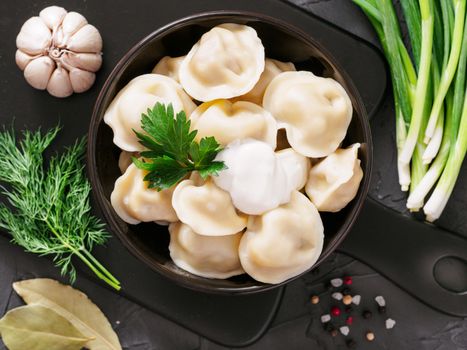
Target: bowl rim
x=97, y=117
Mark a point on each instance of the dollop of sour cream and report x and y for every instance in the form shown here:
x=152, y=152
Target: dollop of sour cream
x=256, y=177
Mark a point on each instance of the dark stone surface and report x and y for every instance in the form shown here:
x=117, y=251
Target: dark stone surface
x=297, y=324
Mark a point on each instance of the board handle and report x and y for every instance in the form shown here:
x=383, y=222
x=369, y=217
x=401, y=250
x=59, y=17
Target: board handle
x=422, y=259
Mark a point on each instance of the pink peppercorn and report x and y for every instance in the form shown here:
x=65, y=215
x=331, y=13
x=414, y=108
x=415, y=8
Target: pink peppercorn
x=335, y=311
x=349, y=320
x=347, y=280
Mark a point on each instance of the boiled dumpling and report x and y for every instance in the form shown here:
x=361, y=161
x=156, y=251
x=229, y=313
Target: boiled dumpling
x=206, y=208
x=228, y=121
x=271, y=69
x=124, y=113
x=134, y=202
x=206, y=256
x=334, y=182
x=283, y=242
x=315, y=111
x=296, y=165
x=226, y=62
x=169, y=66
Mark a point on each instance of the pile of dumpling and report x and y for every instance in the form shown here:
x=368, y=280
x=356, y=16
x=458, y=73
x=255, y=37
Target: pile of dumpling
x=281, y=130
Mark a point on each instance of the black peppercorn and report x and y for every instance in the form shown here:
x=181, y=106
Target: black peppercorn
x=346, y=291
x=382, y=309
x=367, y=314
x=348, y=309
x=352, y=344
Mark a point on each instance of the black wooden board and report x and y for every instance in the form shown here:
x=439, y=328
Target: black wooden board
x=233, y=321
x=424, y=260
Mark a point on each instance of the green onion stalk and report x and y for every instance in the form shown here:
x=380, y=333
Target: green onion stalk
x=418, y=167
x=448, y=73
x=422, y=88
x=413, y=19
x=403, y=74
x=438, y=200
x=446, y=18
x=420, y=191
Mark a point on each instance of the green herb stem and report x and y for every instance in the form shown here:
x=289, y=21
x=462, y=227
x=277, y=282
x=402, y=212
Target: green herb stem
x=49, y=211
x=113, y=282
x=400, y=79
x=440, y=196
x=413, y=19
x=422, y=83
x=449, y=71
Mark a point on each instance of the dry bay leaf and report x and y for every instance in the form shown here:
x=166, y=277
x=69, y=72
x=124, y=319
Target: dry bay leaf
x=35, y=327
x=73, y=305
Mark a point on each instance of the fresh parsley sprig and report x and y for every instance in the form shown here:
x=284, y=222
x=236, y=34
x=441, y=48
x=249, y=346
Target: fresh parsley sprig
x=172, y=151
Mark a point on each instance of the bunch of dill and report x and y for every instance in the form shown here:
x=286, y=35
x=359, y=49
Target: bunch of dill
x=47, y=210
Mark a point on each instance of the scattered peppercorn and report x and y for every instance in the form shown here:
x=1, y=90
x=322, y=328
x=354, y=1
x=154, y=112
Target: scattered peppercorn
x=337, y=282
x=356, y=299
x=348, y=309
x=346, y=291
x=382, y=309
x=315, y=299
x=390, y=323
x=347, y=299
x=380, y=300
x=352, y=344
x=335, y=311
x=349, y=320
x=329, y=327
x=337, y=296
x=347, y=280
x=334, y=332
x=367, y=314
x=345, y=330
x=370, y=336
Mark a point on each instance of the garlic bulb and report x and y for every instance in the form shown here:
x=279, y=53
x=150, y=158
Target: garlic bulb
x=59, y=51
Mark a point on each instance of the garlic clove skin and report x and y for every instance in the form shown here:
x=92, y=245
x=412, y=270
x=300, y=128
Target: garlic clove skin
x=59, y=83
x=37, y=73
x=22, y=59
x=72, y=22
x=81, y=80
x=53, y=16
x=87, y=61
x=59, y=38
x=34, y=37
x=87, y=39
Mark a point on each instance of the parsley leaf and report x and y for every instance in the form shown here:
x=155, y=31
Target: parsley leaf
x=212, y=169
x=172, y=151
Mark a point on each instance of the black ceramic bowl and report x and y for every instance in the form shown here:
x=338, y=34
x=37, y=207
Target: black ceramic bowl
x=282, y=41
